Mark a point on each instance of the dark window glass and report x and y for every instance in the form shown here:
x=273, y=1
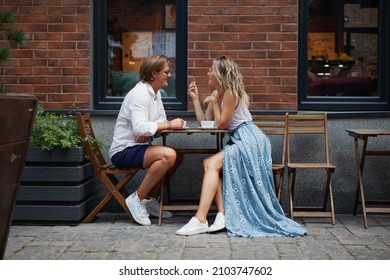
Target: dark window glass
x=125, y=33
x=342, y=61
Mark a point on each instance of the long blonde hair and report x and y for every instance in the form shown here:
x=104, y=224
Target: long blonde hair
x=230, y=78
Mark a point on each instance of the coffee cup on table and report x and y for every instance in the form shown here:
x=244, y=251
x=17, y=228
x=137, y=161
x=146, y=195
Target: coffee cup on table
x=207, y=124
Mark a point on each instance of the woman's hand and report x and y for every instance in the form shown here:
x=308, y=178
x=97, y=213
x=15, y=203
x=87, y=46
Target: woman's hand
x=193, y=91
x=215, y=93
x=212, y=98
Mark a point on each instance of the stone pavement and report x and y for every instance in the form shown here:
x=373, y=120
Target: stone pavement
x=114, y=237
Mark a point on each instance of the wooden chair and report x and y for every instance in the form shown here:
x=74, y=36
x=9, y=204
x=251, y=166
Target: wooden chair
x=310, y=143
x=275, y=125
x=106, y=171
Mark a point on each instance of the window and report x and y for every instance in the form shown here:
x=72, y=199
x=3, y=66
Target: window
x=343, y=58
x=125, y=32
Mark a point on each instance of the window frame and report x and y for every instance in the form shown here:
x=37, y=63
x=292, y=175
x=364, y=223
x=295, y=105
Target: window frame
x=368, y=103
x=99, y=60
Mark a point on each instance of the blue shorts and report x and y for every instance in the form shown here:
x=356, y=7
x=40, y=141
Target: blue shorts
x=131, y=157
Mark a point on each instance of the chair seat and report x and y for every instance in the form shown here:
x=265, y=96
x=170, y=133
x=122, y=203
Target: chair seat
x=112, y=169
x=278, y=167
x=310, y=166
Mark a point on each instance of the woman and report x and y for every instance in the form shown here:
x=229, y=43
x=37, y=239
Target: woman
x=244, y=195
x=142, y=115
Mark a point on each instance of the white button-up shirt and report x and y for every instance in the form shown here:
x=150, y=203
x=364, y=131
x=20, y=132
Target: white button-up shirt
x=140, y=112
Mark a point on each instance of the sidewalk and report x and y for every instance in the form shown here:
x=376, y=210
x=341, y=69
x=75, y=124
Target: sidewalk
x=114, y=237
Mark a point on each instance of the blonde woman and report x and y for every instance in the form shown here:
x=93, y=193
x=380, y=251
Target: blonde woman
x=239, y=178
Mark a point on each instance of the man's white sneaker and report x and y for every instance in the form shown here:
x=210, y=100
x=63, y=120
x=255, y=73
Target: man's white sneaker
x=219, y=223
x=193, y=227
x=153, y=208
x=138, y=210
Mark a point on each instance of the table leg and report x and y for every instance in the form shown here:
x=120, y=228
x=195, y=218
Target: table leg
x=161, y=201
x=166, y=179
x=360, y=190
x=220, y=141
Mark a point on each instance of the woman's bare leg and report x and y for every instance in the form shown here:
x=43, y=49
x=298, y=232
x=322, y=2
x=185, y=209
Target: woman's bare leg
x=159, y=160
x=218, y=199
x=211, y=180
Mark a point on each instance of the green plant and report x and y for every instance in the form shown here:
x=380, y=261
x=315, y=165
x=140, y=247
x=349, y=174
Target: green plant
x=52, y=131
x=12, y=35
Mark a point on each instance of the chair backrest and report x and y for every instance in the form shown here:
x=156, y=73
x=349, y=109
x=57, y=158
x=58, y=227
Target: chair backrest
x=91, y=144
x=311, y=124
x=274, y=125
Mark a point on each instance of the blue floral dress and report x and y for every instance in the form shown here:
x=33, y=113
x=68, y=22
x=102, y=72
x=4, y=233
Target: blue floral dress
x=251, y=206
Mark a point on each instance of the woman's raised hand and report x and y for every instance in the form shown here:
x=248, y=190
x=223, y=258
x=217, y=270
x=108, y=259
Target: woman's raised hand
x=193, y=90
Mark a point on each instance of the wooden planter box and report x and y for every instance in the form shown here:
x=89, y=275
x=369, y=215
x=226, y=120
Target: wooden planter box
x=56, y=187
x=16, y=121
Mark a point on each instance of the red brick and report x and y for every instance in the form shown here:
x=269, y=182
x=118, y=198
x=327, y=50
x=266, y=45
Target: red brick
x=17, y=71
x=57, y=10
x=80, y=62
x=47, y=2
x=19, y=89
x=76, y=71
x=76, y=36
x=76, y=53
x=47, y=88
x=61, y=80
x=75, y=88
x=63, y=28
x=32, y=80
x=83, y=97
x=31, y=10
x=47, y=71
x=61, y=97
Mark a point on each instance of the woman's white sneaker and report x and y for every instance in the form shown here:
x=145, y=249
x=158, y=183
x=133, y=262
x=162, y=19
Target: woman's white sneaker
x=193, y=227
x=219, y=223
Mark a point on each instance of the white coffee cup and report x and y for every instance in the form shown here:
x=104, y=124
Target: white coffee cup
x=207, y=124
x=184, y=124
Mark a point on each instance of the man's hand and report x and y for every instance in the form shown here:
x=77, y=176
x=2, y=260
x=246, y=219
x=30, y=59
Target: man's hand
x=142, y=139
x=177, y=123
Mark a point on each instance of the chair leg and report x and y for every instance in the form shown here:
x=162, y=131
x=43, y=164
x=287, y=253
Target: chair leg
x=276, y=182
x=109, y=196
x=116, y=192
x=97, y=209
x=280, y=186
x=291, y=187
x=329, y=194
x=331, y=204
x=327, y=191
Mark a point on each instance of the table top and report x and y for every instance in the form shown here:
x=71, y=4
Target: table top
x=368, y=132
x=190, y=130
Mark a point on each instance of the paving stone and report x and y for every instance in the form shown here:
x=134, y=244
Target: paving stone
x=114, y=237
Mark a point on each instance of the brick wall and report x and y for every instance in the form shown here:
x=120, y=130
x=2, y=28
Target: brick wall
x=54, y=63
x=261, y=35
